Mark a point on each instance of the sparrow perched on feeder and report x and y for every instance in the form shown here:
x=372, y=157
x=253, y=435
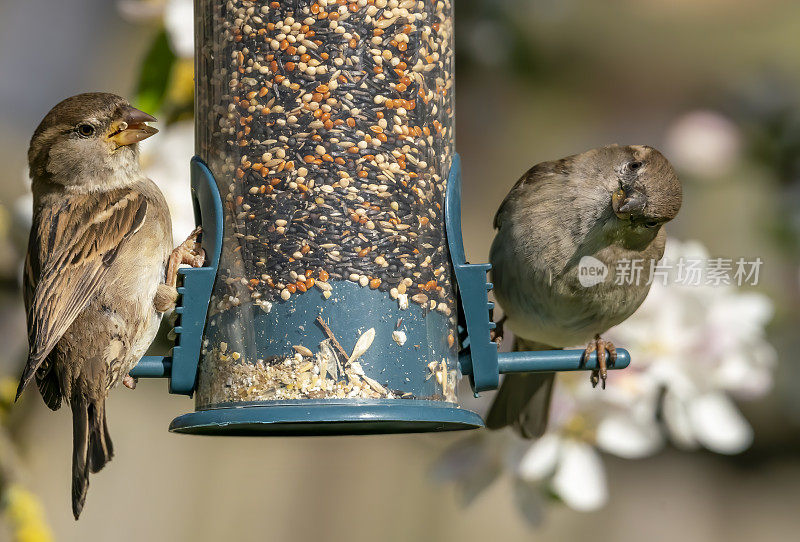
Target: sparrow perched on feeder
x=562, y=233
x=95, y=283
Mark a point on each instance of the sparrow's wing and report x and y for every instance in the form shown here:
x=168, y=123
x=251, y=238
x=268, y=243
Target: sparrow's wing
x=31, y=276
x=530, y=178
x=82, y=239
x=46, y=380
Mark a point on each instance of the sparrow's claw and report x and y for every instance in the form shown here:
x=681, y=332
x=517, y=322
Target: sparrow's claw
x=130, y=382
x=196, y=258
x=189, y=252
x=595, y=375
x=191, y=244
x=496, y=334
x=600, y=346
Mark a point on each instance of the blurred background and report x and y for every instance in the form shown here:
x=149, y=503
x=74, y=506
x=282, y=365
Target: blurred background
x=714, y=84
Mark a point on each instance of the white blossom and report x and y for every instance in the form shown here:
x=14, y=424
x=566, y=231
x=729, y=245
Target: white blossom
x=692, y=345
x=703, y=143
x=580, y=480
x=693, y=349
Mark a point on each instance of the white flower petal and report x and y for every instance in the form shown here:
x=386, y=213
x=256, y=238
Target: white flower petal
x=748, y=311
x=625, y=436
x=675, y=377
x=677, y=421
x=580, y=480
x=718, y=424
x=744, y=375
x=540, y=459
x=685, y=249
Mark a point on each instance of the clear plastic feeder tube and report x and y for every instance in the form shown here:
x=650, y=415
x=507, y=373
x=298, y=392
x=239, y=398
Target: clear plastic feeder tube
x=328, y=126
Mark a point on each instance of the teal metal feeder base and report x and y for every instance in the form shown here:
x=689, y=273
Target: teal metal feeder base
x=327, y=417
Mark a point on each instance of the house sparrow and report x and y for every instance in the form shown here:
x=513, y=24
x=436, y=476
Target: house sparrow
x=608, y=204
x=95, y=283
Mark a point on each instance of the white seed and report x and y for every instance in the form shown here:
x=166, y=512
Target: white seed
x=302, y=350
x=362, y=345
x=399, y=337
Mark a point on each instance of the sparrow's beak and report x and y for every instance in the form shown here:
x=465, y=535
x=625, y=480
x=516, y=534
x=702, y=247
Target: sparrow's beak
x=628, y=203
x=131, y=127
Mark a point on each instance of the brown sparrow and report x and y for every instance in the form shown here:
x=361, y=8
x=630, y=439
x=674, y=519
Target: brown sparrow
x=598, y=211
x=94, y=281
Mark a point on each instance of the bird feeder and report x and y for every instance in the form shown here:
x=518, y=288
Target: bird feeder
x=336, y=297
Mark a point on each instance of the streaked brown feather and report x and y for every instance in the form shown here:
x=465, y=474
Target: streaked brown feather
x=86, y=242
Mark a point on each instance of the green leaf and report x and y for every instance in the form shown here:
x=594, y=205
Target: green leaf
x=155, y=75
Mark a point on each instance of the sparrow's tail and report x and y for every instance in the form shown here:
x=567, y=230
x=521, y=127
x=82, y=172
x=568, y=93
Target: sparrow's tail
x=524, y=399
x=91, y=445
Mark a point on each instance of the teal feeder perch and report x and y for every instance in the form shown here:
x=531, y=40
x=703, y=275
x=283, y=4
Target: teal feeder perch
x=336, y=297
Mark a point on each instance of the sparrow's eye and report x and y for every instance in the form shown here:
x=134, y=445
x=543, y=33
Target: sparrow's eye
x=635, y=165
x=651, y=224
x=85, y=130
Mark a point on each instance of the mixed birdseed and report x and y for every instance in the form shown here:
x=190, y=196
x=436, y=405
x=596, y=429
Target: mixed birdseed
x=324, y=374
x=329, y=128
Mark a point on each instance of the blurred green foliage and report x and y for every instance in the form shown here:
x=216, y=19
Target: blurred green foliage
x=154, y=75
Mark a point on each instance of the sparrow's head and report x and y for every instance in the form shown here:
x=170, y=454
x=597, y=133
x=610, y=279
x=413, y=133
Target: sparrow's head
x=88, y=139
x=646, y=191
